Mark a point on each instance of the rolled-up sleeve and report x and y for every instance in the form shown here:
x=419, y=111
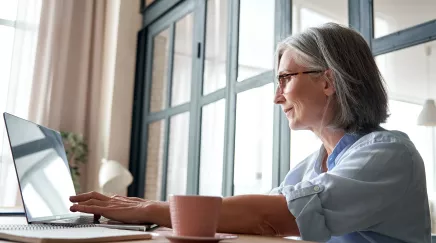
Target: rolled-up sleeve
x=354, y=195
x=275, y=191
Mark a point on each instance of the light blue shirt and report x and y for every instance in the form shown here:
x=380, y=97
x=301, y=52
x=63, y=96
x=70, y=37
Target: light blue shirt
x=374, y=191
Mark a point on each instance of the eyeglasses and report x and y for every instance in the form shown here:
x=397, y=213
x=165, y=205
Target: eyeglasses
x=286, y=78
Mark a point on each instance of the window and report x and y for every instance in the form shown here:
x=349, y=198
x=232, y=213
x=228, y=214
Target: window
x=212, y=148
x=256, y=38
x=303, y=144
x=216, y=46
x=381, y=26
x=159, y=73
x=403, y=117
x=310, y=13
x=177, y=169
x=155, y=150
x=254, y=140
x=402, y=14
x=182, y=69
x=407, y=91
x=228, y=93
x=17, y=48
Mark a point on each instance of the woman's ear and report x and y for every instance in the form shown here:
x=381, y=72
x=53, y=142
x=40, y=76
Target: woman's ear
x=329, y=88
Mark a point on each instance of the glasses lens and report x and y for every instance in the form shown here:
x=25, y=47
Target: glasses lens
x=279, y=83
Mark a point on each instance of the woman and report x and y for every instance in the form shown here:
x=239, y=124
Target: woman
x=365, y=184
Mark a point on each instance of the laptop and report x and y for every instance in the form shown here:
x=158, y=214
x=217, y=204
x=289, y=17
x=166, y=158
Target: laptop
x=44, y=176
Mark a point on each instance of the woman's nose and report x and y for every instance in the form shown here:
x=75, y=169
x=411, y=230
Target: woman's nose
x=279, y=98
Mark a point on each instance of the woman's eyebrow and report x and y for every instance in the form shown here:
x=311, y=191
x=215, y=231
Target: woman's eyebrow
x=282, y=72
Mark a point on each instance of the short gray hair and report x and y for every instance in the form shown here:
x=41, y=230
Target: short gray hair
x=360, y=100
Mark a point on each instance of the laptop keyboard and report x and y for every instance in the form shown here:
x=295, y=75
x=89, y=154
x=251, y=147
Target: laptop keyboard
x=75, y=221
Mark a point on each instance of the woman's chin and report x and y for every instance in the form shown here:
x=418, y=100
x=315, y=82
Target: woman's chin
x=295, y=125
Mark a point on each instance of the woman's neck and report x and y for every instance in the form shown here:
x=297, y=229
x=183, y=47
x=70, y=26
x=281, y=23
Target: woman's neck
x=330, y=137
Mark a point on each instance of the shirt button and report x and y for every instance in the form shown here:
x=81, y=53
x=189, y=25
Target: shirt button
x=316, y=188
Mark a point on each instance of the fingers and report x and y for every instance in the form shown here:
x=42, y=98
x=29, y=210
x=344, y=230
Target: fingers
x=89, y=209
x=130, y=199
x=137, y=199
x=128, y=212
x=95, y=202
x=89, y=195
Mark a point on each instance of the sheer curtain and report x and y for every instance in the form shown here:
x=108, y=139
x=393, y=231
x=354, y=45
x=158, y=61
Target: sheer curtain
x=74, y=74
x=16, y=82
x=62, y=75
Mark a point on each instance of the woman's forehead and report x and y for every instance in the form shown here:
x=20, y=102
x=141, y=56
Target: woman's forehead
x=287, y=62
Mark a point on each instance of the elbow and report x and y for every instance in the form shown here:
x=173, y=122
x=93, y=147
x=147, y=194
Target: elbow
x=277, y=225
x=265, y=228
x=278, y=220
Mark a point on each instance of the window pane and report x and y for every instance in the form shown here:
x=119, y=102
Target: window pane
x=8, y=9
x=159, y=73
x=409, y=73
x=212, y=148
x=256, y=37
x=177, y=170
x=420, y=136
x=182, y=71
x=155, y=148
x=310, y=13
x=216, y=46
x=253, y=142
x=303, y=144
x=392, y=16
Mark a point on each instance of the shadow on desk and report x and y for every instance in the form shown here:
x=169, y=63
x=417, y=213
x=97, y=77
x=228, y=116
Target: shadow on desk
x=160, y=239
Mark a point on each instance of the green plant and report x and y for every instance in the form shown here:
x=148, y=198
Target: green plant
x=76, y=149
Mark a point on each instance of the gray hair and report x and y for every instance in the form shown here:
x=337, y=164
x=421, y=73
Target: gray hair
x=360, y=100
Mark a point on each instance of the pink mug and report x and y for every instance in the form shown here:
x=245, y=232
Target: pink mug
x=195, y=215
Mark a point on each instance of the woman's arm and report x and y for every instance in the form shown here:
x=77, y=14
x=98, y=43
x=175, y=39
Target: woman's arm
x=246, y=214
x=257, y=214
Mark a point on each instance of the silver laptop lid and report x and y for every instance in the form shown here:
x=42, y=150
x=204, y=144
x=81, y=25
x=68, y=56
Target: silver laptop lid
x=42, y=169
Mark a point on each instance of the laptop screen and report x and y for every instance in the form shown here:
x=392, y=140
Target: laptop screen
x=42, y=168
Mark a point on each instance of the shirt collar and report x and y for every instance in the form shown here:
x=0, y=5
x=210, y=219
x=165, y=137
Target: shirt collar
x=344, y=143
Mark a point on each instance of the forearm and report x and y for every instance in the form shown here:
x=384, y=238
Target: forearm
x=245, y=214
x=257, y=214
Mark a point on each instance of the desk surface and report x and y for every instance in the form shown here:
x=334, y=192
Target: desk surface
x=160, y=239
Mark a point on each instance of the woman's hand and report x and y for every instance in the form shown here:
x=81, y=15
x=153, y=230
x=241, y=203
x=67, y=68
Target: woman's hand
x=124, y=209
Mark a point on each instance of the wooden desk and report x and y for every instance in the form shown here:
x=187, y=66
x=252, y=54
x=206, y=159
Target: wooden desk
x=160, y=239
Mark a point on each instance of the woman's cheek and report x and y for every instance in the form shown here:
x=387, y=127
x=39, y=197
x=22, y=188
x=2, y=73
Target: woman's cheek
x=291, y=94
x=289, y=91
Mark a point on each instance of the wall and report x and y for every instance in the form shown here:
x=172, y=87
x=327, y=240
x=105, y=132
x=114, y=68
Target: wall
x=124, y=76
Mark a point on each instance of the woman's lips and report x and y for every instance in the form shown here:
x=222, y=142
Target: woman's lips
x=288, y=111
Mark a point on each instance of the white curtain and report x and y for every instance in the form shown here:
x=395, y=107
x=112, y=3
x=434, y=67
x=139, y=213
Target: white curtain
x=73, y=78
x=15, y=90
x=72, y=69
